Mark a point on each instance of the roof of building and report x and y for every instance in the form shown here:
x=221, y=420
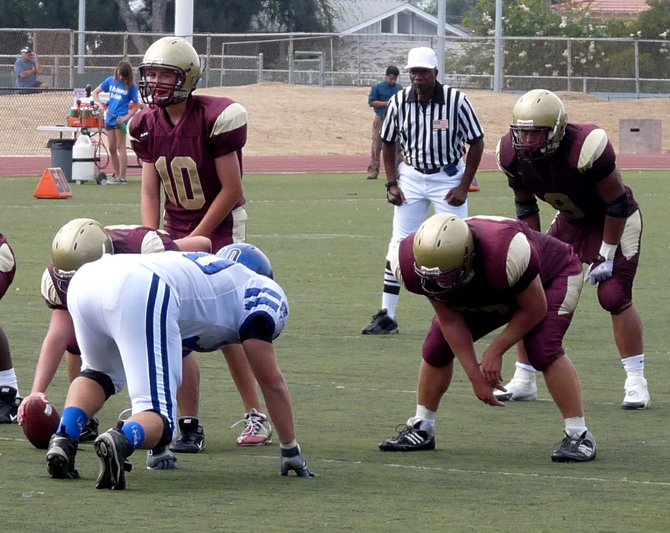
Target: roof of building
x=612, y=7
x=354, y=15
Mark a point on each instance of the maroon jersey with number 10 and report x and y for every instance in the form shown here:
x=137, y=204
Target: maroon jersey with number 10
x=183, y=156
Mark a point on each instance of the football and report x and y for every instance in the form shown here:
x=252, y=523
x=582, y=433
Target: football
x=40, y=422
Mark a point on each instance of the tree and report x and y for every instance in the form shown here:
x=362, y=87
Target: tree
x=102, y=16
x=655, y=23
x=582, y=56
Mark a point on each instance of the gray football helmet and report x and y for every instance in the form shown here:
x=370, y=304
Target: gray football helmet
x=538, y=124
x=80, y=241
x=444, y=255
x=177, y=55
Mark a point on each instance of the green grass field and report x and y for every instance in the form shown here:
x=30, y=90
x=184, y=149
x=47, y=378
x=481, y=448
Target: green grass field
x=327, y=237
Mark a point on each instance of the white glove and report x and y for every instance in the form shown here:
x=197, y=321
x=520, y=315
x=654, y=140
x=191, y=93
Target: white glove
x=599, y=271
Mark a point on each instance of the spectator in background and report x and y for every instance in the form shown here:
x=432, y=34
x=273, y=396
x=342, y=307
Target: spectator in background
x=380, y=94
x=26, y=69
x=122, y=92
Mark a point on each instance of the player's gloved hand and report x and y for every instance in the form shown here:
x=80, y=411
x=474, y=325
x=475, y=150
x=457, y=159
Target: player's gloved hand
x=599, y=270
x=292, y=459
x=161, y=459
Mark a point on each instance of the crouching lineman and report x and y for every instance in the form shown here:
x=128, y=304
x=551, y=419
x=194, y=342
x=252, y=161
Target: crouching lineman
x=9, y=386
x=80, y=241
x=479, y=274
x=205, y=300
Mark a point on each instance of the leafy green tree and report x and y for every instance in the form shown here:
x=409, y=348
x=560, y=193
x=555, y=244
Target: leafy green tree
x=583, y=56
x=655, y=23
x=102, y=16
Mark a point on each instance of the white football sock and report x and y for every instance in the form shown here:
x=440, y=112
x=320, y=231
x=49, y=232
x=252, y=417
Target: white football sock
x=427, y=418
x=575, y=426
x=634, y=366
x=524, y=372
x=8, y=378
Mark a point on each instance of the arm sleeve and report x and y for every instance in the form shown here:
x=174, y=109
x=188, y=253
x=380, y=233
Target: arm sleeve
x=389, y=132
x=258, y=326
x=228, y=132
x=373, y=95
x=7, y=266
x=472, y=128
x=105, y=84
x=522, y=264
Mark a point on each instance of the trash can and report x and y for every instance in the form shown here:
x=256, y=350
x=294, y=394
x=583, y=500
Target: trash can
x=61, y=155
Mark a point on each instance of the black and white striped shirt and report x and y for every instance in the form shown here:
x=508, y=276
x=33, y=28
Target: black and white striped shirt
x=431, y=135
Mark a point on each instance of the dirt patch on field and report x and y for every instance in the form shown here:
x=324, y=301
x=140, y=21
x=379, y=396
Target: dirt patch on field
x=291, y=120
x=297, y=120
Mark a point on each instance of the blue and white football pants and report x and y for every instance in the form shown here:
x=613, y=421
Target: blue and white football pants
x=126, y=326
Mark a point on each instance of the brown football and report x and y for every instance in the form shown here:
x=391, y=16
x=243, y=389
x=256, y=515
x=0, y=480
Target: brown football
x=40, y=422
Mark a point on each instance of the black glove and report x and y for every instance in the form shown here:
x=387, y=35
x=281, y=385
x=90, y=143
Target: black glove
x=291, y=459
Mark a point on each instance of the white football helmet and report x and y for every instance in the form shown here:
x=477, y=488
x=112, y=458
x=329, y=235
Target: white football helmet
x=444, y=255
x=80, y=241
x=538, y=124
x=178, y=56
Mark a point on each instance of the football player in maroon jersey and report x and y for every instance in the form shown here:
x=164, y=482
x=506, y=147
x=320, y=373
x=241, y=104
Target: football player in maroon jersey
x=480, y=274
x=573, y=168
x=191, y=149
x=9, y=386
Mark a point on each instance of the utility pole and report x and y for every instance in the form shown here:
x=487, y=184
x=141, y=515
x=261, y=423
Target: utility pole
x=441, y=49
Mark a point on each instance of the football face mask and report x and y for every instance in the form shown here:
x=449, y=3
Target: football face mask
x=444, y=286
x=532, y=143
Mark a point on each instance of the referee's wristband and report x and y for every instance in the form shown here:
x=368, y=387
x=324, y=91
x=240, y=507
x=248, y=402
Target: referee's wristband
x=390, y=184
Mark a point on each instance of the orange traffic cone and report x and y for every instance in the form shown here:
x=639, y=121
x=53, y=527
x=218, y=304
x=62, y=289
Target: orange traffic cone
x=53, y=185
x=474, y=186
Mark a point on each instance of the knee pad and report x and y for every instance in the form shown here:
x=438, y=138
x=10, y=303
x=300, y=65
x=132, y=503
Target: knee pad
x=166, y=437
x=101, y=379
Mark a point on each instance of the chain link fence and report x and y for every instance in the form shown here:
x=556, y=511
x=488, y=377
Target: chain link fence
x=610, y=67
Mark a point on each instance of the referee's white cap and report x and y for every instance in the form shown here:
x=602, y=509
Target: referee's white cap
x=421, y=57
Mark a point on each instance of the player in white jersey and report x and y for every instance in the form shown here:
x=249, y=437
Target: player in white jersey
x=134, y=325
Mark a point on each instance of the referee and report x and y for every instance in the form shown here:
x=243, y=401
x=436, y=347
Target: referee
x=433, y=123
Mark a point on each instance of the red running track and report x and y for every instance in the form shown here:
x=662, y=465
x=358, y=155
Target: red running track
x=34, y=166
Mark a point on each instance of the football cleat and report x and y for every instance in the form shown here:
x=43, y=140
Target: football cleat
x=575, y=449
x=257, y=430
x=90, y=432
x=409, y=439
x=161, y=459
x=637, y=394
x=518, y=390
x=9, y=405
x=292, y=460
x=113, y=449
x=60, y=457
x=381, y=324
x=191, y=436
